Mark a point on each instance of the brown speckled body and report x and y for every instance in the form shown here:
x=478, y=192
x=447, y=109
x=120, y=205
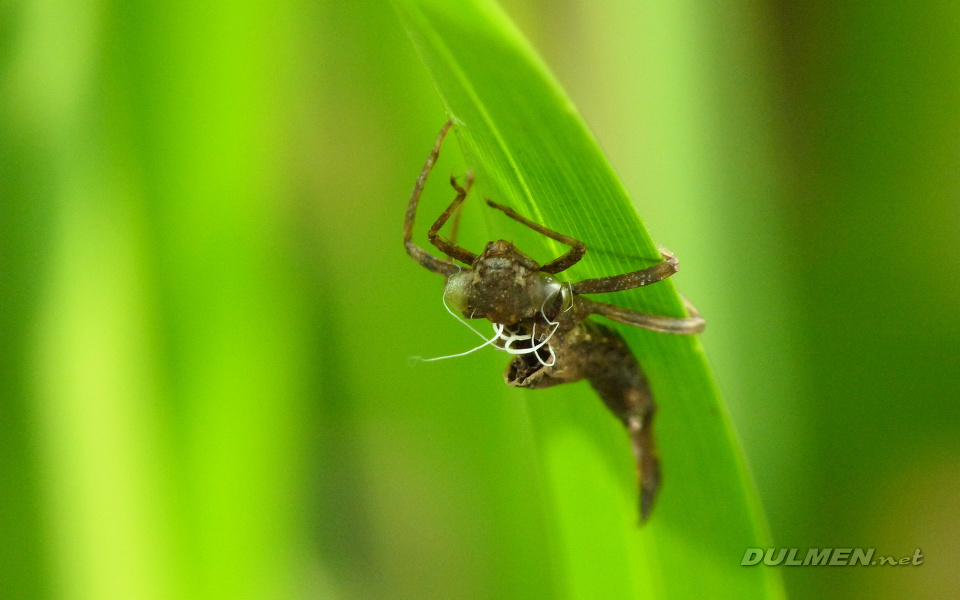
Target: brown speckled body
x=544, y=322
x=588, y=350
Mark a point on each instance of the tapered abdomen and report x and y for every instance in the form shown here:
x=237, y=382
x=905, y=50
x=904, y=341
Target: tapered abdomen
x=598, y=354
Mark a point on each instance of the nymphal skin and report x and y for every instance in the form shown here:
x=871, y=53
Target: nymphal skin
x=584, y=349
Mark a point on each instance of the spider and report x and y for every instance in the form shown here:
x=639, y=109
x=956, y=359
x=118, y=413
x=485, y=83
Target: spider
x=542, y=321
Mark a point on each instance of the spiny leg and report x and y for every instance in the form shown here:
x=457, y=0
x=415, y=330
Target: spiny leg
x=577, y=248
x=634, y=279
x=442, y=243
x=678, y=325
x=417, y=253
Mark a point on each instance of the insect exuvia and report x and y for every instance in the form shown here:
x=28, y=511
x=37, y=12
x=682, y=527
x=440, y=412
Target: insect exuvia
x=542, y=321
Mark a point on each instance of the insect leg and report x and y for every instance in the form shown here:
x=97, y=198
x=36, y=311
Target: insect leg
x=442, y=243
x=417, y=253
x=688, y=325
x=572, y=257
x=455, y=225
x=634, y=279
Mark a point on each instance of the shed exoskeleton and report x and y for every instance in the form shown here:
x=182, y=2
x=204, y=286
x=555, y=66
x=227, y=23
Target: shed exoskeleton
x=543, y=321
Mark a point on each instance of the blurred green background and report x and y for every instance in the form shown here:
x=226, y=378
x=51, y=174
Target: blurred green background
x=206, y=311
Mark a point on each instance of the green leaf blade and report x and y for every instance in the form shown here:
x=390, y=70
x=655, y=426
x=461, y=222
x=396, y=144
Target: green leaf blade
x=531, y=150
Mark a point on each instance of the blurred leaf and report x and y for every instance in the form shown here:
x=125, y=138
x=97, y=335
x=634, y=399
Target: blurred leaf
x=530, y=149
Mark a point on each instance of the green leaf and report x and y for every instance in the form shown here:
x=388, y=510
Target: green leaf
x=530, y=149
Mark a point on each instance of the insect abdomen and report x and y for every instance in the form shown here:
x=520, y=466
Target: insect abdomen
x=618, y=380
x=598, y=354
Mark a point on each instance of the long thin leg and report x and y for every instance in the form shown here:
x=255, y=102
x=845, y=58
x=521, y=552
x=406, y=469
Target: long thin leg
x=442, y=243
x=634, y=279
x=689, y=325
x=577, y=248
x=455, y=229
x=417, y=253
x=455, y=225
